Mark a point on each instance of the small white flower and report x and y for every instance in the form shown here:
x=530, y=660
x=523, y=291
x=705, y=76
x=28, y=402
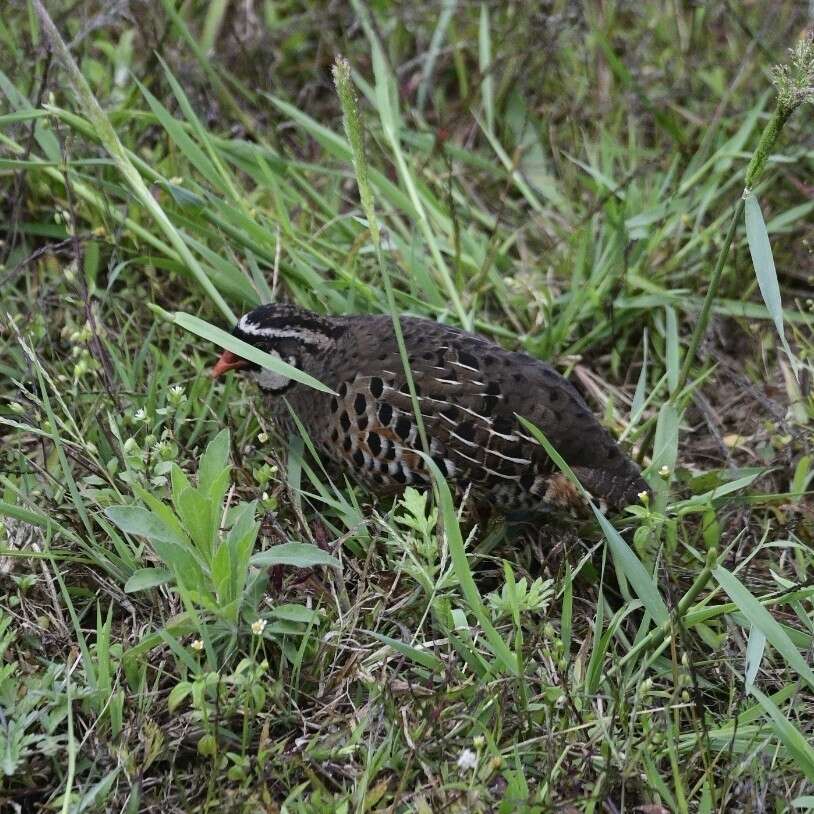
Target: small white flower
x=478, y=741
x=176, y=396
x=262, y=437
x=197, y=645
x=644, y=496
x=140, y=414
x=664, y=471
x=258, y=627
x=176, y=180
x=467, y=760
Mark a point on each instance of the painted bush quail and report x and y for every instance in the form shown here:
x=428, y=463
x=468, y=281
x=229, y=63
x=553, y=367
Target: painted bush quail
x=470, y=392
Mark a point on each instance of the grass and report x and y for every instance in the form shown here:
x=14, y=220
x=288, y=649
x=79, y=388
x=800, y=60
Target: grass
x=194, y=617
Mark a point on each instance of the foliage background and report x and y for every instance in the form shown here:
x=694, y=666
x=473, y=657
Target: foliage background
x=558, y=176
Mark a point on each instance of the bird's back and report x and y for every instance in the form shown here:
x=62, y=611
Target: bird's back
x=470, y=393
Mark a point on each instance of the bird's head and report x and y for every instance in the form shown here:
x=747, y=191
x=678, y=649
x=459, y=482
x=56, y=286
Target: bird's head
x=287, y=332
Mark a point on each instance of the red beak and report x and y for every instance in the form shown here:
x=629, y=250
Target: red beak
x=228, y=361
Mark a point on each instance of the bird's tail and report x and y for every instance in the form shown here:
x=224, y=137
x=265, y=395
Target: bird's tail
x=619, y=485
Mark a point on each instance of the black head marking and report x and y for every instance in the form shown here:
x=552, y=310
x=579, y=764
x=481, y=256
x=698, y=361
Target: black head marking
x=287, y=332
x=276, y=322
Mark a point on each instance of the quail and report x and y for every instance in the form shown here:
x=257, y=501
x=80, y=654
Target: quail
x=470, y=392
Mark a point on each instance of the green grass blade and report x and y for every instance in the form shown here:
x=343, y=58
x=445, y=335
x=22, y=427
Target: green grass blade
x=422, y=657
x=800, y=749
x=205, y=330
x=763, y=261
x=452, y=529
x=760, y=618
x=487, y=82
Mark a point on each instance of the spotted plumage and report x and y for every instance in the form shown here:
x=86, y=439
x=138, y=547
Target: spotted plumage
x=470, y=393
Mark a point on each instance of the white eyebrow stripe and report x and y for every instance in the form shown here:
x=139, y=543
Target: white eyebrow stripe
x=448, y=381
x=303, y=334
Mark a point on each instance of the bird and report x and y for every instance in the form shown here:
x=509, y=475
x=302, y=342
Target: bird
x=470, y=391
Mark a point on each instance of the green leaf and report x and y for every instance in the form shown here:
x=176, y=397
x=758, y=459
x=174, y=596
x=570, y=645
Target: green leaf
x=179, y=482
x=162, y=511
x=760, y=618
x=300, y=555
x=665, y=444
x=177, y=694
x=214, y=460
x=296, y=613
x=194, y=511
x=754, y=655
x=216, y=494
x=174, y=550
x=142, y=522
x=422, y=657
x=643, y=583
x=761, y=250
x=567, y=608
x=222, y=575
x=146, y=578
x=671, y=347
x=240, y=540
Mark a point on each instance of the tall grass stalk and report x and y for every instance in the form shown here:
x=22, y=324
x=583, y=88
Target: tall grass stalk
x=355, y=134
x=794, y=83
